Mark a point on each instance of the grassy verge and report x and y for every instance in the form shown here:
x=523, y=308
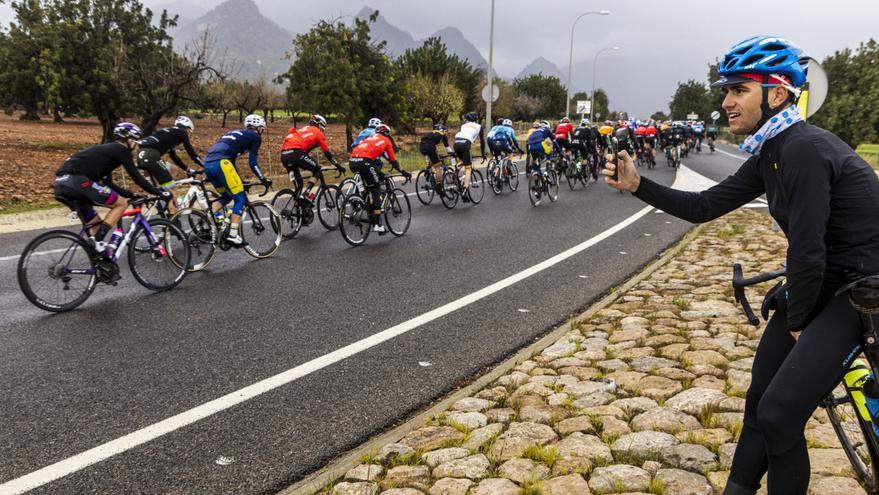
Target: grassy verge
x=10, y=208
x=870, y=153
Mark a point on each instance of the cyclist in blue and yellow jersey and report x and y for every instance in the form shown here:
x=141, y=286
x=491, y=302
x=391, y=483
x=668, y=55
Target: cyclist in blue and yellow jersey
x=220, y=169
x=541, y=143
x=369, y=131
x=824, y=198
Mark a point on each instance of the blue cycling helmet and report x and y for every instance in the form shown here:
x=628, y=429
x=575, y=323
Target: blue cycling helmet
x=764, y=55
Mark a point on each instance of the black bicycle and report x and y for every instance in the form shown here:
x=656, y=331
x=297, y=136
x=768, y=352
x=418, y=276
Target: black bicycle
x=845, y=404
x=502, y=172
x=425, y=181
x=260, y=228
x=297, y=212
x=543, y=184
x=453, y=186
x=355, y=214
x=59, y=269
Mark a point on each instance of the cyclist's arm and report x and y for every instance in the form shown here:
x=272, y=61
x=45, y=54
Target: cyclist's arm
x=193, y=155
x=125, y=193
x=806, y=185
x=446, y=141
x=253, y=159
x=482, y=140
x=697, y=207
x=322, y=141
x=176, y=159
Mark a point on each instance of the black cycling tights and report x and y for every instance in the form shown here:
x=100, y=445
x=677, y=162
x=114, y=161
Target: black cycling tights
x=789, y=380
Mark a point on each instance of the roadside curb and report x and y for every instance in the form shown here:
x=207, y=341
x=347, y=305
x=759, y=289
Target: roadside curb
x=32, y=220
x=336, y=469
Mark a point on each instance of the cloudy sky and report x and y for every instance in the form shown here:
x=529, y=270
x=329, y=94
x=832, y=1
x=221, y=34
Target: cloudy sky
x=662, y=42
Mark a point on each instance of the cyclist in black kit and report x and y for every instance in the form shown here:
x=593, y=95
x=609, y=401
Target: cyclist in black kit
x=85, y=179
x=152, y=148
x=583, y=144
x=427, y=147
x=824, y=198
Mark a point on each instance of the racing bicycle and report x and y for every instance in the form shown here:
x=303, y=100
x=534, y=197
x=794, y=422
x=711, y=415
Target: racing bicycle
x=502, y=172
x=297, y=212
x=355, y=214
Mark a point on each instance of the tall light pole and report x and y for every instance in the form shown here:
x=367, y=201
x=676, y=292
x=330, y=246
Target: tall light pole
x=595, y=71
x=571, y=54
x=490, y=69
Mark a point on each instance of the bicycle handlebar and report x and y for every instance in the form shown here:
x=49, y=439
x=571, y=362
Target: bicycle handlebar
x=267, y=187
x=739, y=283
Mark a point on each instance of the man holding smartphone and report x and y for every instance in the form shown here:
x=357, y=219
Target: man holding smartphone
x=826, y=200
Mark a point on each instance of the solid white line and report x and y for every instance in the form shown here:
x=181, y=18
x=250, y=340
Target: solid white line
x=105, y=451
x=38, y=253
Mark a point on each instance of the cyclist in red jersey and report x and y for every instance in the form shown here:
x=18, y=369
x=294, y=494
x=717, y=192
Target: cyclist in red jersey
x=650, y=136
x=563, y=133
x=296, y=148
x=366, y=159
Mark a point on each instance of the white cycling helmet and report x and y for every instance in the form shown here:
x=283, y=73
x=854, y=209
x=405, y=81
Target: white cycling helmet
x=544, y=123
x=254, y=121
x=184, y=121
x=374, y=122
x=318, y=121
x=508, y=123
x=584, y=122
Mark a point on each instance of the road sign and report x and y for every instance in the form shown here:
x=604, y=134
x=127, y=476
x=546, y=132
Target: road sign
x=495, y=92
x=584, y=106
x=715, y=115
x=692, y=116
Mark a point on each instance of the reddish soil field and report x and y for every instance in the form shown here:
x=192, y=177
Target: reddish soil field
x=31, y=152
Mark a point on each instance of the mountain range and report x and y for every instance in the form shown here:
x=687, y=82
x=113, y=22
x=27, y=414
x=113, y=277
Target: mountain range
x=256, y=46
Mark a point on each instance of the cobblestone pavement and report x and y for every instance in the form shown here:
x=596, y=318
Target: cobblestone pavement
x=646, y=396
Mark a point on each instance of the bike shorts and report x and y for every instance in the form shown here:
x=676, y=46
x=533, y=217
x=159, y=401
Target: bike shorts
x=297, y=160
x=538, y=153
x=500, y=146
x=431, y=155
x=651, y=141
x=223, y=175
x=564, y=143
x=150, y=159
x=371, y=173
x=462, y=150
x=80, y=193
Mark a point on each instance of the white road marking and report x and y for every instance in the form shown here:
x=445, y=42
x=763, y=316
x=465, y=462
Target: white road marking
x=38, y=253
x=737, y=157
x=124, y=443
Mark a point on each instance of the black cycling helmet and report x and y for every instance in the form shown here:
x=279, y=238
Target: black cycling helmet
x=471, y=117
x=440, y=127
x=499, y=121
x=383, y=129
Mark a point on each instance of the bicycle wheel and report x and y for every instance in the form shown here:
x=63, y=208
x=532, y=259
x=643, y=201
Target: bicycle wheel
x=286, y=206
x=493, y=176
x=355, y=222
x=346, y=187
x=423, y=186
x=552, y=186
x=512, y=176
x=328, y=207
x=476, y=192
x=535, y=189
x=201, y=235
x=856, y=437
x=260, y=229
x=398, y=214
x=449, y=195
x=56, y=271
x=572, y=177
x=158, y=259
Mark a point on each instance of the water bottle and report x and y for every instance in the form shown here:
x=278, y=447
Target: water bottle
x=114, y=241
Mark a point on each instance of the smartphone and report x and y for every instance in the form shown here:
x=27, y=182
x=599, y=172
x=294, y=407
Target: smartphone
x=615, y=148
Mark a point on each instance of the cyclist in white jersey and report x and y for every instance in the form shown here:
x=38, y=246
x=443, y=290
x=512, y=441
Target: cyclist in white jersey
x=464, y=139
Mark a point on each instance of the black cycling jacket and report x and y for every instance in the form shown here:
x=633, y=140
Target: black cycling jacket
x=824, y=197
x=165, y=140
x=98, y=163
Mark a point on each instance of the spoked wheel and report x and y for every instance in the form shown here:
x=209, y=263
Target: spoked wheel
x=450, y=192
x=159, y=259
x=493, y=176
x=56, y=271
x=572, y=178
x=346, y=187
x=535, y=188
x=552, y=186
x=201, y=235
x=354, y=222
x=476, y=192
x=328, y=207
x=512, y=176
x=424, y=188
x=290, y=212
x=260, y=229
x=856, y=437
x=398, y=215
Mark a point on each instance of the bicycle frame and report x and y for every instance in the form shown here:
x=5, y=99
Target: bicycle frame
x=137, y=220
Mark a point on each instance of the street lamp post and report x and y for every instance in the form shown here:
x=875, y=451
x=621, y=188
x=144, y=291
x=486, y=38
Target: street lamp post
x=571, y=55
x=490, y=69
x=594, y=72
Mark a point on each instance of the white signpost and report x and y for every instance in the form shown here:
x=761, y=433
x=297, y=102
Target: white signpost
x=693, y=116
x=495, y=93
x=715, y=115
x=584, y=106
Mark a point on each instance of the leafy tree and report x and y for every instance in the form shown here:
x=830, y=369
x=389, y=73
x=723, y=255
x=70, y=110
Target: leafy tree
x=690, y=97
x=435, y=99
x=433, y=60
x=602, y=104
x=547, y=89
x=660, y=115
x=527, y=107
x=338, y=70
x=715, y=96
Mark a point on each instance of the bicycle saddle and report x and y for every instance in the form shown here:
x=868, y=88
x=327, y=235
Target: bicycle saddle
x=864, y=294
